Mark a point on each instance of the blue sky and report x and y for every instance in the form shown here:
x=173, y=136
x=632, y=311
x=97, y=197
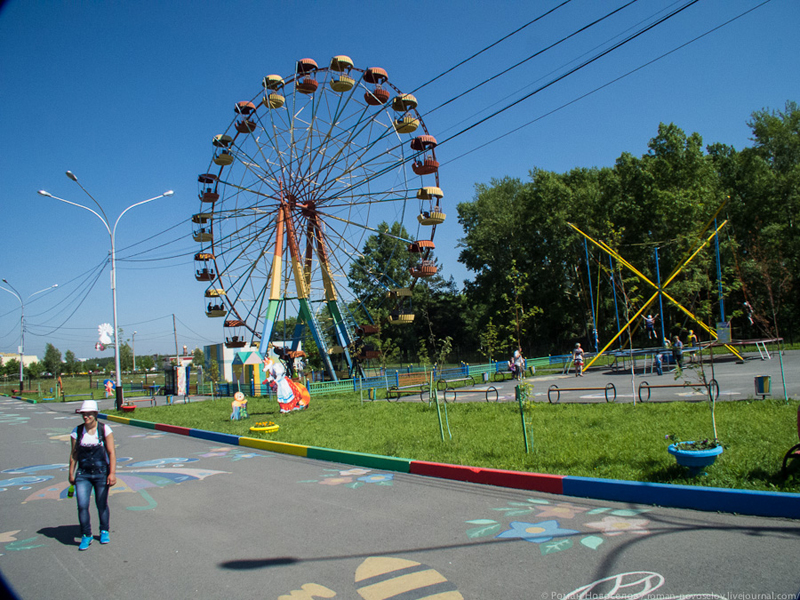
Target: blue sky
x=129, y=95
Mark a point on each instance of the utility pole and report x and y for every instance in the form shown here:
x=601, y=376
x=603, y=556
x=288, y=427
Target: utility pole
x=175, y=332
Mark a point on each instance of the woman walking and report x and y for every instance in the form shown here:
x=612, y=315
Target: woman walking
x=92, y=466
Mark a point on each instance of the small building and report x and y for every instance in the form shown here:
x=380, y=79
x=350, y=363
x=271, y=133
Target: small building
x=27, y=359
x=224, y=357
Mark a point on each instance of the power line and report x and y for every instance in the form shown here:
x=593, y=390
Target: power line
x=490, y=46
x=609, y=83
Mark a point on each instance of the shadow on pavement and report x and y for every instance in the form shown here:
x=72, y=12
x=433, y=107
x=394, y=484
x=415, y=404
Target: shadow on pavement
x=66, y=534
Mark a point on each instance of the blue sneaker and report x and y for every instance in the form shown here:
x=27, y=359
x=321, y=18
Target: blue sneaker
x=86, y=541
x=104, y=538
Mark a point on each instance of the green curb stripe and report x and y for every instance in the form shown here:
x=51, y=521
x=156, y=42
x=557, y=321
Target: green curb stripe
x=374, y=461
x=127, y=421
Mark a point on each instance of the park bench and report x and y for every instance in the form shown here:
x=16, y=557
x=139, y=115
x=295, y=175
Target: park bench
x=444, y=382
x=488, y=392
x=502, y=371
x=609, y=389
x=89, y=396
x=712, y=386
x=409, y=381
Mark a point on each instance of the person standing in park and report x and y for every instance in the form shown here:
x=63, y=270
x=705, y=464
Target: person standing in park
x=657, y=363
x=92, y=466
x=518, y=364
x=577, y=358
x=677, y=351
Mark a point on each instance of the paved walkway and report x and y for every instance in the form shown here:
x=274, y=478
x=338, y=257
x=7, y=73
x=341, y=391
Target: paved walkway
x=193, y=518
x=736, y=382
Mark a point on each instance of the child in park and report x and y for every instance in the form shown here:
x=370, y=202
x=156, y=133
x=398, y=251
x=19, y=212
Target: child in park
x=517, y=365
x=657, y=364
x=577, y=358
x=677, y=351
x=649, y=325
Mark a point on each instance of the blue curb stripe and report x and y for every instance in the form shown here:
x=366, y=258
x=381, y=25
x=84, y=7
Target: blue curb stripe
x=746, y=502
x=222, y=438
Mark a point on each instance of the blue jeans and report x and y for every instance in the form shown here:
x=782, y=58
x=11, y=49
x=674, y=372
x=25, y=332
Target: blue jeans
x=84, y=483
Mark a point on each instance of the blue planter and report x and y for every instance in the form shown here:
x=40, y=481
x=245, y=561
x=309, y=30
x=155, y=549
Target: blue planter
x=695, y=460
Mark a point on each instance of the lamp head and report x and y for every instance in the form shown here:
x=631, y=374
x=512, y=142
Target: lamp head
x=71, y=175
x=43, y=193
x=169, y=193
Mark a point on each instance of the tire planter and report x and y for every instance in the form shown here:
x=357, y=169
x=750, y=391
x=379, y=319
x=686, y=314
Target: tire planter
x=695, y=460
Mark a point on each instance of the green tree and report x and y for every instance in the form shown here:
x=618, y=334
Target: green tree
x=71, y=365
x=146, y=362
x=198, y=358
x=34, y=370
x=383, y=264
x=125, y=355
x=213, y=371
x=11, y=367
x=52, y=359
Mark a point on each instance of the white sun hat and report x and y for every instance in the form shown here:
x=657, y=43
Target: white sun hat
x=88, y=406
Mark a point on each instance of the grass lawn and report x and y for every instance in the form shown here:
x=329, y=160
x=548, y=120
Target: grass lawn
x=615, y=441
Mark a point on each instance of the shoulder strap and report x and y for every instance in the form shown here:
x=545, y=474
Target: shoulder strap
x=101, y=433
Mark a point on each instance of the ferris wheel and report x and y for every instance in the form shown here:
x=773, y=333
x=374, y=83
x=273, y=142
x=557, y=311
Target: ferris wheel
x=303, y=176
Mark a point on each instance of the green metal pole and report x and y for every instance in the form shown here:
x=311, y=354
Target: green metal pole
x=518, y=395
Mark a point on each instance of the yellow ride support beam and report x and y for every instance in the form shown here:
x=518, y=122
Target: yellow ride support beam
x=606, y=248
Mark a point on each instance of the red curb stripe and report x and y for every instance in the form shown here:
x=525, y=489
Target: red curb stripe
x=173, y=429
x=540, y=482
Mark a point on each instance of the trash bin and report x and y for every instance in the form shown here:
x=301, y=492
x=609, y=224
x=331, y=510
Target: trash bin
x=762, y=383
x=485, y=378
x=371, y=393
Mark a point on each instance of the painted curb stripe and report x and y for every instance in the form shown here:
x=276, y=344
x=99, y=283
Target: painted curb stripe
x=281, y=447
x=551, y=484
x=172, y=429
x=140, y=423
x=744, y=502
x=222, y=438
x=115, y=418
x=747, y=502
x=360, y=459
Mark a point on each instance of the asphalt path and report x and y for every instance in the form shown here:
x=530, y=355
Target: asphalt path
x=195, y=519
x=736, y=381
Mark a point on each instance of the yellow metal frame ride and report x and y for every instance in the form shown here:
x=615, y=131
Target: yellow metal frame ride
x=659, y=290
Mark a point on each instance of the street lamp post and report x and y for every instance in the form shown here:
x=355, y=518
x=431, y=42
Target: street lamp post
x=14, y=292
x=133, y=350
x=112, y=231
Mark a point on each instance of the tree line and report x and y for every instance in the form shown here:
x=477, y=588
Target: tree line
x=540, y=285
x=537, y=283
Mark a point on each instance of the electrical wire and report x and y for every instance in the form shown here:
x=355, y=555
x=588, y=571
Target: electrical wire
x=489, y=47
x=607, y=84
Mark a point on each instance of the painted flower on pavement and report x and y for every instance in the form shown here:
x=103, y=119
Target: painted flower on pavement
x=562, y=510
x=544, y=531
x=336, y=480
x=354, y=472
x=378, y=478
x=617, y=526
